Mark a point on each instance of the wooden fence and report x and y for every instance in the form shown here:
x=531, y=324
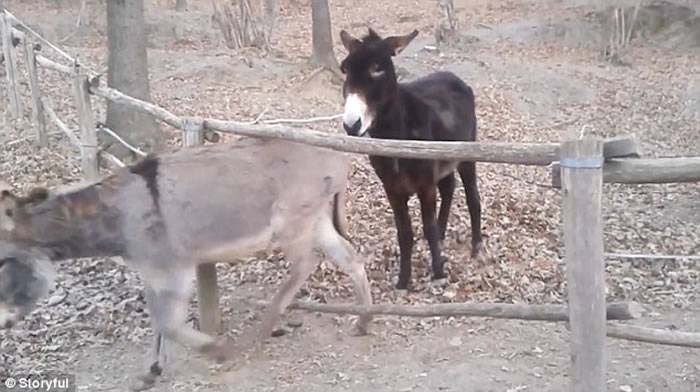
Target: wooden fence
x=580, y=166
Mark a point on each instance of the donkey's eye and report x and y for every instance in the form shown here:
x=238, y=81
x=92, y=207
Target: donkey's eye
x=375, y=71
x=9, y=213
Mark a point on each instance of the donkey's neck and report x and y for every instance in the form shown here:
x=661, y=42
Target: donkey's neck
x=74, y=225
x=395, y=119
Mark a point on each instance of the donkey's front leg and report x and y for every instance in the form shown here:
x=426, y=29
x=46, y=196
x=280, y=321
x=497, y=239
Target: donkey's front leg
x=148, y=379
x=428, y=199
x=167, y=295
x=404, y=231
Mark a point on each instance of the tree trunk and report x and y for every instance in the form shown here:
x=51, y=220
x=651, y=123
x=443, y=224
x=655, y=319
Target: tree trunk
x=269, y=14
x=180, y=5
x=322, y=54
x=128, y=73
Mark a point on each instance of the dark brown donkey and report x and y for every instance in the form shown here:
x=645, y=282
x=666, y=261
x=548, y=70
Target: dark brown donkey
x=439, y=106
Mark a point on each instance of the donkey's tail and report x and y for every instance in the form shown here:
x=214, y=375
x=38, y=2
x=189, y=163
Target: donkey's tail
x=340, y=222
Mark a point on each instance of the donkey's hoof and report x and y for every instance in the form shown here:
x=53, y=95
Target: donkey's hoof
x=402, y=285
x=438, y=274
x=401, y=289
x=147, y=381
x=439, y=282
x=476, y=249
x=359, y=329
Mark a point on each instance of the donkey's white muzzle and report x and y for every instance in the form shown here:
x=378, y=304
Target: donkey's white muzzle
x=356, y=118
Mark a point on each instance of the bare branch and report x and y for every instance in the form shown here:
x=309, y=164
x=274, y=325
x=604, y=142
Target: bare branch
x=112, y=160
x=59, y=124
x=121, y=140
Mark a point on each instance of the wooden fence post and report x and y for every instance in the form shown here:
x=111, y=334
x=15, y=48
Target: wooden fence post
x=8, y=51
x=38, y=118
x=207, y=284
x=88, y=131
x=581, y=164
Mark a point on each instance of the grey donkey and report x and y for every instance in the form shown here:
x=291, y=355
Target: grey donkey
x=167, y=213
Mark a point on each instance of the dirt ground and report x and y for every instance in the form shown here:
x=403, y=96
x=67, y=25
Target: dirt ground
x=537, y=71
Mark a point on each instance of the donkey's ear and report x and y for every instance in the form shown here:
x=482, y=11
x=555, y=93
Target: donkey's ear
x=349, y=41
x=8, y=210
x=399, y=43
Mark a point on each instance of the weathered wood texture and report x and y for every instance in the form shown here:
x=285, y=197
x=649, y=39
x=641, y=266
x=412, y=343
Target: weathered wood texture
x=156, y=111
x=655, y=336
x=8, y=50
x=645, y=171
x=54, y=66
x=522, y=153
x=623, y=146
x=207, y=282
x=38, y=117
x=495, y=152
x=88, y=131
x=113, y=95
x=111, y=161
x=546, y=312
x=16, y=34
x=59, y=124
x=581, y=162
x=208, y=298
x=648, y=256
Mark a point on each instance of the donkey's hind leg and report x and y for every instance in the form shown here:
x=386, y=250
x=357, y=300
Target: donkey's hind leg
x=467, y=171
x=341, y=252
x=302, y=262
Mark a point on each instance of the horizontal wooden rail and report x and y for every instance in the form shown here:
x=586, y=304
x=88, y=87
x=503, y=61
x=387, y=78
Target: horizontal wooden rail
x=46, y=63
x=615, y=311
x=653, y=335
x=644, y=171
x=638, y=256
x=495, y=152
x=546, y=312
x=123, y=99
x=156, y=111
